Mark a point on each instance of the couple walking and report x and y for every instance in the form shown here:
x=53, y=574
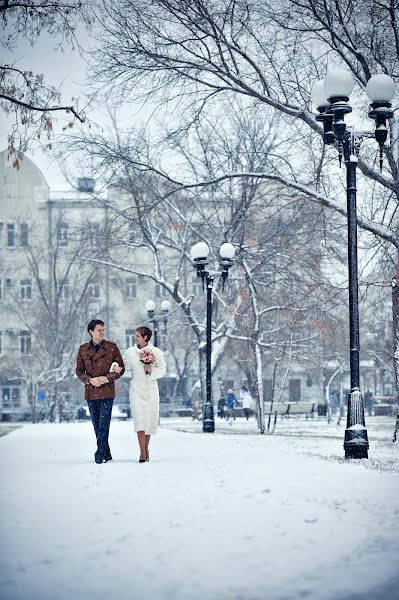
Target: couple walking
x=99, y=363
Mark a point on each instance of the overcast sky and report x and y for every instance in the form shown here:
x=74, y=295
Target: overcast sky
x=60, y=69
x=64, y=69
x=67, y=71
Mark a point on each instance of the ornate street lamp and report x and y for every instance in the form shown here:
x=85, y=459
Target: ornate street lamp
x=199, y=255
x=331, y=97
x=154, y=318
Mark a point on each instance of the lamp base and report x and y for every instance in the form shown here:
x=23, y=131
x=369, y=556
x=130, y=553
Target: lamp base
x=354, y=451
x=356, y=443
x=208, y=423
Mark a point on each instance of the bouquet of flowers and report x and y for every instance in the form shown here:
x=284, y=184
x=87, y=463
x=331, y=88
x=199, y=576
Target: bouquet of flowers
x=147, y=358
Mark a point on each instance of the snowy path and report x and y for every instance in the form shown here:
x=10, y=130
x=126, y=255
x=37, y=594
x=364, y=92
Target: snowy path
x=211, y=516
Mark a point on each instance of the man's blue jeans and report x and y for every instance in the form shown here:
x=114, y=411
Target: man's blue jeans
x=100, y=412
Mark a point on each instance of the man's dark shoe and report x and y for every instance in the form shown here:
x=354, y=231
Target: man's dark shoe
x=100, y=458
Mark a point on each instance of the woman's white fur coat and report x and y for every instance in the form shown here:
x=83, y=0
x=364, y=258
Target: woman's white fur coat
x=144, y=393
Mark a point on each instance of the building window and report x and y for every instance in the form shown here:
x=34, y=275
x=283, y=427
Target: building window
x=267, y=390
x=10, y=235
x=26, y=342
x=24, y=235
x=129, y=337
x=94, y=290
x=26, y=289
x=196, y=286
x=6, y=396
x=160, y=291
x=131, y=287
x=15, y=397
x=294, y=390
x=11, y=396
x=94, y=234
x=62, y=234
x=388, y=389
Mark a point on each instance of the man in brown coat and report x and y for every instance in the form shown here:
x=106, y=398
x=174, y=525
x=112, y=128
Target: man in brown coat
x=93, y=365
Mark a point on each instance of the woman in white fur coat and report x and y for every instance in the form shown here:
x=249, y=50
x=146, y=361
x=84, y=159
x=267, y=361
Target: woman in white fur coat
x=144, y=393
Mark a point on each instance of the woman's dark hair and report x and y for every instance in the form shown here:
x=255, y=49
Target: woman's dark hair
x=145, y=332
x=93, y=323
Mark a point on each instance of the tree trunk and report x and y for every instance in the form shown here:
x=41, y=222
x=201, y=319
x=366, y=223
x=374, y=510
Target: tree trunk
x=395, y=310
x=269, y=422
x=33, y=399
x=259, y=388
x=327, y=394
x=50, y=413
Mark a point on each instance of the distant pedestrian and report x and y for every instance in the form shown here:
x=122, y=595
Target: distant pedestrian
x=368, y=402
x=231, y=402
x=246, y=401
x=221, y=407
x=95, y=368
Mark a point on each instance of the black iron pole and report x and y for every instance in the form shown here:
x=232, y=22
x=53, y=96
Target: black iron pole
x=208, y=424
x=356, y=441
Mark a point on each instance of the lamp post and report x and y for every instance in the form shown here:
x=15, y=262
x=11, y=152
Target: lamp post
x=331, y=97
x=199, y=255
x=154, y=318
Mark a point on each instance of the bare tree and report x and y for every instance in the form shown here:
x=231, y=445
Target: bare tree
x=26, y=95
x=269, y=54
x=53, y=309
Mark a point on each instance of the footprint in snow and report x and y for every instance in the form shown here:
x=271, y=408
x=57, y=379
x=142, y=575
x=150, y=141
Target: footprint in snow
x=174, y=524
x=311, y=520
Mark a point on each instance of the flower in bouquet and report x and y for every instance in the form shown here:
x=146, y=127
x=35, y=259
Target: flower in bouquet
x=147, y=357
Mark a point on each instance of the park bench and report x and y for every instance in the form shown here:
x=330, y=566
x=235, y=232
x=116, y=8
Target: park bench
x=284, y=409
x=184, y=412
x=291, y=409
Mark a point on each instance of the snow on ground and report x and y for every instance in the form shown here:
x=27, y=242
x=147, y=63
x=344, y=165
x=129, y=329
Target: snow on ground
x=212, y=516
x=314, y=437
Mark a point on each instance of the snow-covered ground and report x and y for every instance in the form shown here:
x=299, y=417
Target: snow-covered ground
x=213, y=516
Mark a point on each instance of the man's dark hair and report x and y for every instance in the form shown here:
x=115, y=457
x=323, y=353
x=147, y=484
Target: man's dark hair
x=145, y=332
x=93, y=323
